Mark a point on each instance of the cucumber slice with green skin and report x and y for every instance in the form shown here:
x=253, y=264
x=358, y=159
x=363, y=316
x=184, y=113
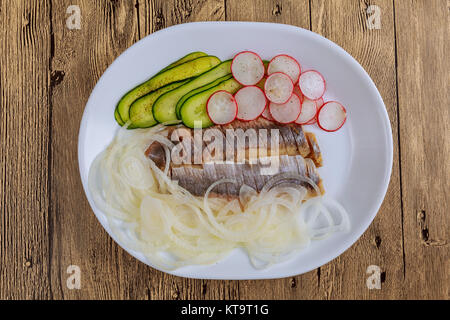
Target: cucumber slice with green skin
x=266, y=64
x=186, y=58
x=164, y=109
x=141, y=114
x=194, y=108
x=118, y=118
x=194, y=92
x=181, y=72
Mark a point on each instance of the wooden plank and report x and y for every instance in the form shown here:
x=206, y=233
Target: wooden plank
x=344, y=22
x=153, y=16
x=48, y=72
x=423, y=94
x=79, y=59
x=81, y=56
x=295, y=13
x=24, y=130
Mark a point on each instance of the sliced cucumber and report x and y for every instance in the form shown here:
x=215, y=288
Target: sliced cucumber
x=180, y=72
x=186, y=58
x=193, y=111
x=193, y=92
x=164, y=107
x=118, y=118
x=266, y=64
x=141, y=114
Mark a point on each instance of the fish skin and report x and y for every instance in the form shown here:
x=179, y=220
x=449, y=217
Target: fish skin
x=197, y=179
x=294, y=145
x=301, y=141
x=293, y=140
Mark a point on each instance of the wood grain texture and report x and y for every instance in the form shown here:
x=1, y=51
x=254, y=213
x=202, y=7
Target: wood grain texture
x=423, y=93
x=24, y=127
x=153, y=16
x=344, y=22
x=49, y=71
x=79, y=59
x=295, y=13
x=81, y=56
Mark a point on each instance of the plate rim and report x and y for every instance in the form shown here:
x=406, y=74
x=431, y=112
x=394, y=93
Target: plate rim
x=378, y=201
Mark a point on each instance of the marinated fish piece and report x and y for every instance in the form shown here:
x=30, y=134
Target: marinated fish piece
x=298, y=153
x=197, y=179
x=315, y=154
x=291, y=141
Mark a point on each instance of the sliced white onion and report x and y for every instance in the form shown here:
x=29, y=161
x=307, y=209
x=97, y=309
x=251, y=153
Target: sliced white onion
x=172, y=228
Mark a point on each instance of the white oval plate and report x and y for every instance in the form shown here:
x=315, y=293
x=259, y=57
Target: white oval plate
x=357, y=158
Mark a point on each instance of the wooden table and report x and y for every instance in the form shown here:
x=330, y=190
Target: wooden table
x=49, y=70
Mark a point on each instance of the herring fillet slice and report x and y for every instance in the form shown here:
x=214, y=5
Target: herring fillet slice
x=196, y=178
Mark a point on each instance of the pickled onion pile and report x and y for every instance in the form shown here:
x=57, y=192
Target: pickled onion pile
x=151, y=214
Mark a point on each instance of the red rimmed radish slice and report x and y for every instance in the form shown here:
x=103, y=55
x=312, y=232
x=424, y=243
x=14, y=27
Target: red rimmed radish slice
x=286, y=112
x=312, y=84
x=278, y=87
x=319, y=102
x=247, y=68
x=251, y=103
x=308, y=113
x=266, y=114
x=221, y=107
x=286, y=64
x=298, y=92
x=331, y=116
x=313, y=120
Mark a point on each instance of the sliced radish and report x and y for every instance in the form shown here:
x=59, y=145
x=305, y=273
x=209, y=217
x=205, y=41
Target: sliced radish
x=251, y=103
x=308, y=113
x=247, y=68
x=286, y=64
x=266, y=114
x=319, y=102
x=261, y=83
x=221, y=107
x=331, y=116
x=312, y=121
x=298, y=92
x=312, y=84
x=286, y=112
x=278, y=87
